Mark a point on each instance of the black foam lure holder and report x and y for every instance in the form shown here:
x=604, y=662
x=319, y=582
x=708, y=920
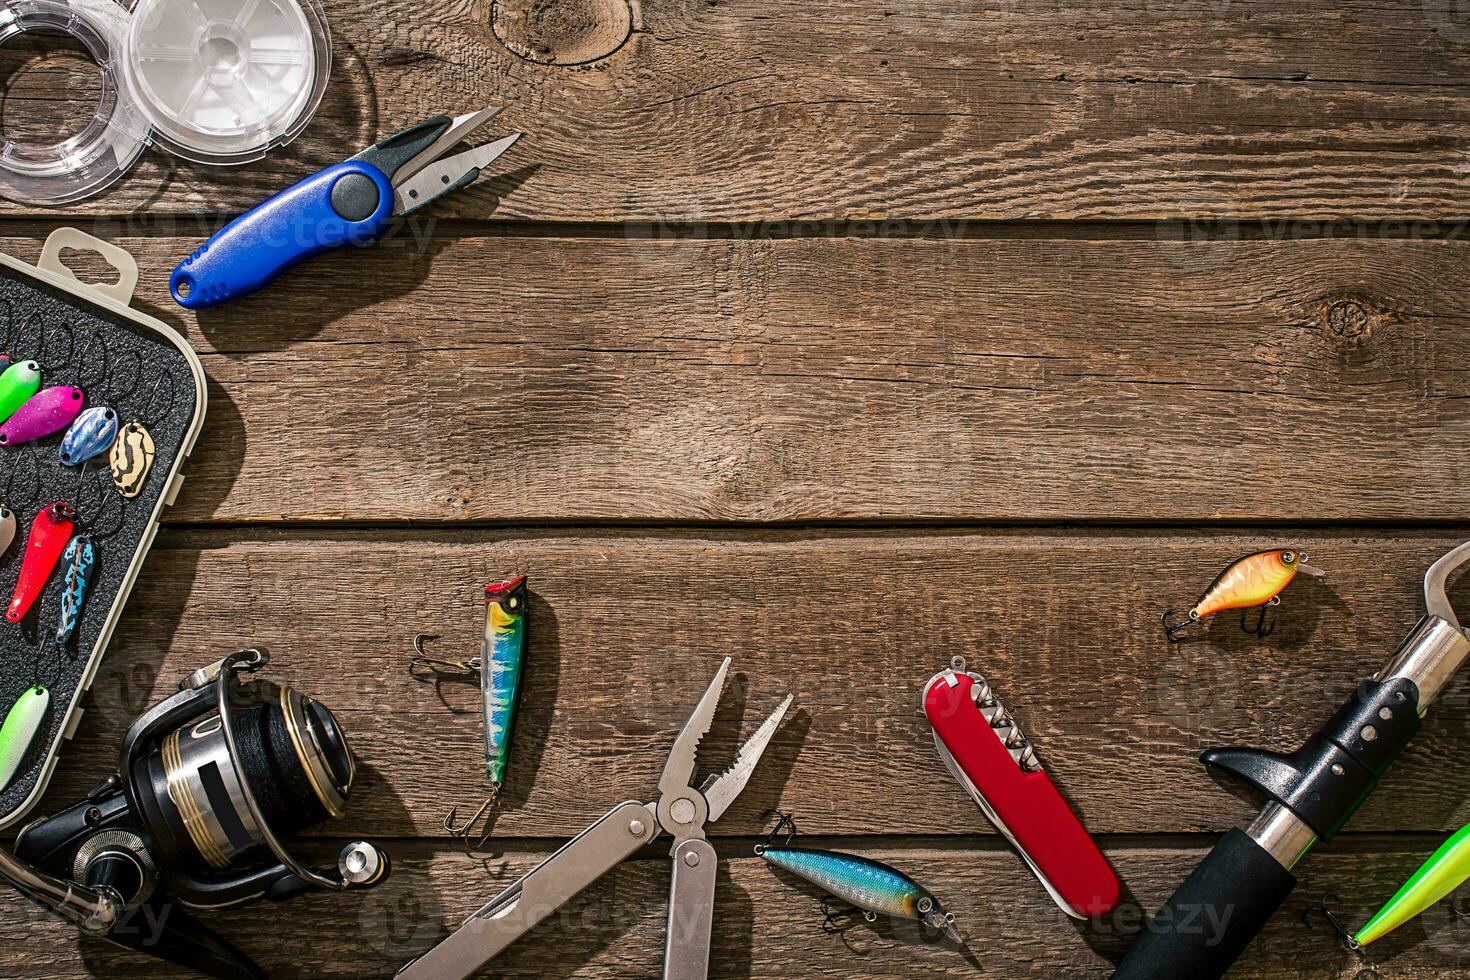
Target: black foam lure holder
x=149, y=369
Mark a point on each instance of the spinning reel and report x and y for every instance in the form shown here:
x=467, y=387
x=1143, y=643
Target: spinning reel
x=206, y=780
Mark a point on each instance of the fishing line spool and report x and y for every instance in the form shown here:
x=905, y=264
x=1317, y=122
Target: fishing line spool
x=212, y=81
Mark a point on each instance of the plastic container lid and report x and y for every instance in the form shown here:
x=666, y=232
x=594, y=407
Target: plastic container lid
x=224, y=81
x=90, y=161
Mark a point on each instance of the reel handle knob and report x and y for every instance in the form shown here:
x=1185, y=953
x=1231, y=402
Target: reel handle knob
x=362, y=863
x=116, y=870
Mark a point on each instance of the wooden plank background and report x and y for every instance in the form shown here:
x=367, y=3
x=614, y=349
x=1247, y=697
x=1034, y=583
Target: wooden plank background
x=841, y=338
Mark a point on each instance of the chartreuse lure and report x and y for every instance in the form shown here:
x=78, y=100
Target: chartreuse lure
x=19, y=730
x=18, y=383
x=1446, y=869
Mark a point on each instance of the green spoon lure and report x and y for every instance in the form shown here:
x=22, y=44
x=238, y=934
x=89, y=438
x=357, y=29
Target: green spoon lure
x=1446, y=869
x=22, y=724
x=17, y=384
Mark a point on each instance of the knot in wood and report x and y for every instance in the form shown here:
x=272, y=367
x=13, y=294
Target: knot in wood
x=1348, y=319
x=562, y=32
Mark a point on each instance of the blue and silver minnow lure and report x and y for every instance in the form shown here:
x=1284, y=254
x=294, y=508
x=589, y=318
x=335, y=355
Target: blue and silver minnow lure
x=869, y=886
x=80, y=558
x=92, y=434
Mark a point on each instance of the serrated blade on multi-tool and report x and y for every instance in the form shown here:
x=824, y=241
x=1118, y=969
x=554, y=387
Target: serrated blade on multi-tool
x=679, y=769
x=720, y=790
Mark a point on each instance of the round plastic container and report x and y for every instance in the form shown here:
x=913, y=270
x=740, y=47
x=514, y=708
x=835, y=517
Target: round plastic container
x=214, y=81
x=226, y=81
x=90, y=161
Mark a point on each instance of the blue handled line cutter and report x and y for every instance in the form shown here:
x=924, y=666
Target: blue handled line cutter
x=353, y=202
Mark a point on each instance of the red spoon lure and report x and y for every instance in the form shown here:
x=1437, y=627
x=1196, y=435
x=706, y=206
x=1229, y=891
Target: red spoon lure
x=50, y=532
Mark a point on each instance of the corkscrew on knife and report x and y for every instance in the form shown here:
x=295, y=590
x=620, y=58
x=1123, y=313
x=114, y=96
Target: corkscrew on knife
x=1312, y=794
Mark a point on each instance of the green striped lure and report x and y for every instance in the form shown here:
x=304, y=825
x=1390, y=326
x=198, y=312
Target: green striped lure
x=870, y=887
x=501, y=658
x=1446, y=869
x=22, y=724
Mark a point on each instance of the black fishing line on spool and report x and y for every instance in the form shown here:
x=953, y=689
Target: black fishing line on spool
x=282, y=788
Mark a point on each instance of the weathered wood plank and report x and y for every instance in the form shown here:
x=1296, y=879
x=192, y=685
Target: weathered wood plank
x=507, y=379
x=941, y=109
x=767, y=925
x=628, y=629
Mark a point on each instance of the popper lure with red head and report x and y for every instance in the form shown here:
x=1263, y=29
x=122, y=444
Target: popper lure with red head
x=1254, y=580
x=983, y=748
x=50, y=532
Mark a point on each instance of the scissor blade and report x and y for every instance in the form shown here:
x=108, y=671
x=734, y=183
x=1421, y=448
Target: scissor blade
x=720, y=791
x=462, y=128
x=679, y=770
x=438, y=179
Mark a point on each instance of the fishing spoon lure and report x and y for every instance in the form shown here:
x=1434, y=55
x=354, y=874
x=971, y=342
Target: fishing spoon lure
x=95, y=429
x=18, y=383
x=13, y=499
x=80, y=556
x=870, y=887
x=133, y=451
x=92, y=434
x=48, y=411
x=1254, y=580
x=50, y=532
x=21, y=726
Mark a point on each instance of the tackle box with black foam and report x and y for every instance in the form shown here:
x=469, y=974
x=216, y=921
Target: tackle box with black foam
x=101, y=405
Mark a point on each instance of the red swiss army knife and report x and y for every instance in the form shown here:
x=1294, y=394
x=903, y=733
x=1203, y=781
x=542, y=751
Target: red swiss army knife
x=983, y=748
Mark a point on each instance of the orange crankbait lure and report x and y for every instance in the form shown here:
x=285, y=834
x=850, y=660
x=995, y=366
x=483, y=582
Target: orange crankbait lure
x=1255, y=580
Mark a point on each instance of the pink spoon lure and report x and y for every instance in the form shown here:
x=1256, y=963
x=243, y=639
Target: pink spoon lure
x=47, y=411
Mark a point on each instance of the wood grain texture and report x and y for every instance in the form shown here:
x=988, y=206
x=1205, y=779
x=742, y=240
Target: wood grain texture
x=947, y=110
x=627, y=630
x=768, y=925
x=528, y=379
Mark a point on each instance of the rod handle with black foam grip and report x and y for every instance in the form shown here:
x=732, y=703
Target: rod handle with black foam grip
x=1213, y=916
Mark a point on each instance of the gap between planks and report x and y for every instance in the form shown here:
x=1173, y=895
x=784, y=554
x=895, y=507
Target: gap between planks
x=1407, y=227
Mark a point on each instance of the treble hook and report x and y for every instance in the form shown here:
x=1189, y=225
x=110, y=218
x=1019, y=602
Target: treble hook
x=1337, y=926
x=838, y=919
x=784, y=822
x=434, y=666
x=1171, y=630
x=463, y=830
x=1262, y=629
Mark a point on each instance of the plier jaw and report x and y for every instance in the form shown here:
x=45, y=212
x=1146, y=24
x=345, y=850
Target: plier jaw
x=681, y=810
